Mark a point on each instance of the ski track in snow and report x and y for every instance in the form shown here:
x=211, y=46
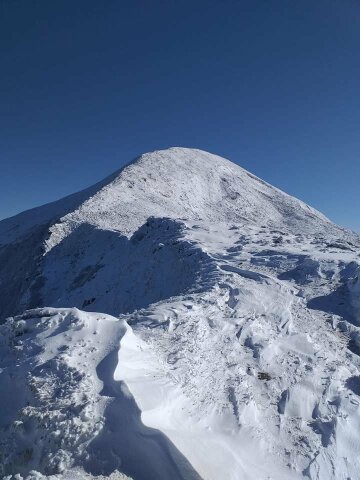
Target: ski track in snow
x=232, y=345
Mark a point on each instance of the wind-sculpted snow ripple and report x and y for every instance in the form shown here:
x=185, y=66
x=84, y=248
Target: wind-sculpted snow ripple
x=61, y=407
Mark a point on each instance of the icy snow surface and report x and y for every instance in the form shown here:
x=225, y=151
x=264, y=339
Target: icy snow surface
x=227, y=341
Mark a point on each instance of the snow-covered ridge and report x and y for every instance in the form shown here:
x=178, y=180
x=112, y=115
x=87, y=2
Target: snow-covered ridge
x=232, y=348
x=179, y=184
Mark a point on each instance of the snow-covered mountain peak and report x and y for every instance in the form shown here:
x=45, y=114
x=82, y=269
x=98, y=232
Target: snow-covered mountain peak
x=177, y=183
x=192, y=185
x=226, y=338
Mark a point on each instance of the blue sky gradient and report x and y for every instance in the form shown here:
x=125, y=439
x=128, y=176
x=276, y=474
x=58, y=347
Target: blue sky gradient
x=86, y=86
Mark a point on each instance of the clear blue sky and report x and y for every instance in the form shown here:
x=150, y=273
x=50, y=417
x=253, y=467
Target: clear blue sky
x=87, y=85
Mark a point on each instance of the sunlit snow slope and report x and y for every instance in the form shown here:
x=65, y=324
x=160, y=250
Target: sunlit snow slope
x=227, y=341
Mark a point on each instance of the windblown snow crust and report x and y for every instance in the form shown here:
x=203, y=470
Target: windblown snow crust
x=229, y=342
x=63, y=407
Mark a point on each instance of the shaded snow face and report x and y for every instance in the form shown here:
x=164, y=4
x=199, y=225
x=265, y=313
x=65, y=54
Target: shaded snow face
x=20, y=273
x=104, y=271
x=101, y=270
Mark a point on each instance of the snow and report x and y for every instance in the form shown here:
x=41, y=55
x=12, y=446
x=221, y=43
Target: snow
x=203, y=324
x=70, y=412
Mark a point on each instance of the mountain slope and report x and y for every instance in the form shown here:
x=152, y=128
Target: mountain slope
x=177, y=183
x=234, y=339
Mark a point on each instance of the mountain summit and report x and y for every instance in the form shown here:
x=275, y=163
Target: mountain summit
x=176, y=183
x=181, y=319
x=192, y=185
